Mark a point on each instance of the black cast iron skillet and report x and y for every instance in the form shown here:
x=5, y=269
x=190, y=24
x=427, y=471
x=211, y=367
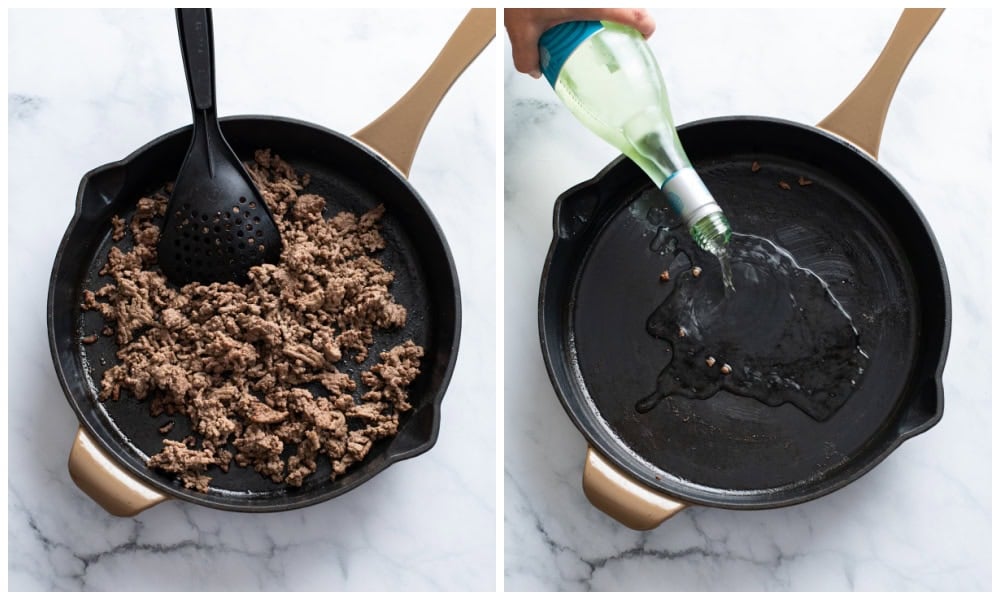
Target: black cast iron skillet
x=353, y=173
x=854, y=226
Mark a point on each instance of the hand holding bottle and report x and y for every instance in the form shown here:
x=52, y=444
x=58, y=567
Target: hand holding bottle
x=526, y=25
x=607, y=76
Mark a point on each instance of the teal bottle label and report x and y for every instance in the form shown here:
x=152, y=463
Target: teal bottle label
x=556, y=44
x=674, y=201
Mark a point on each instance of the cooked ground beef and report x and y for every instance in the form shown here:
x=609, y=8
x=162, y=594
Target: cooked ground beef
x=235, y=359
x=117, y=228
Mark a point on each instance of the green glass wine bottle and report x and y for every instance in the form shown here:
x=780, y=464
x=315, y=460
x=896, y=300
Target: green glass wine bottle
x=607, y=76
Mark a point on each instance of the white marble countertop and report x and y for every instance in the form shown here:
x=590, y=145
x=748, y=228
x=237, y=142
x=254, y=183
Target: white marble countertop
x=921, y=519
x=89, y=87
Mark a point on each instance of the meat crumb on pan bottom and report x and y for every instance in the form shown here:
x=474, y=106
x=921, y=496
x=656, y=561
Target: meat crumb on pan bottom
x=236, y=360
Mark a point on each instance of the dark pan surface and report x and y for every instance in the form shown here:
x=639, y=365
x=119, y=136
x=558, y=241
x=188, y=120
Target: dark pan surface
x=350, y=178
x=853, y=226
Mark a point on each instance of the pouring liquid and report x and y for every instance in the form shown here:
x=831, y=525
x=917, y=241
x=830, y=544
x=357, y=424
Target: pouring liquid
x=726, y=269
x=664, y=243
x=784, y=337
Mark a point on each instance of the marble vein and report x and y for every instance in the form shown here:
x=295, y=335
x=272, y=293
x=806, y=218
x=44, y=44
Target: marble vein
x=21, y=107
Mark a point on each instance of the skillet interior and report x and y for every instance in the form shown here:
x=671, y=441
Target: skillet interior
x=351, y=178
x=854, y=226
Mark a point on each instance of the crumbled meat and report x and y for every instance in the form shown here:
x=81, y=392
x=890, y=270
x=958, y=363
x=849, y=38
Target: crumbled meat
x=117, y=228
x=178, y=458
x=89, y=339
x=399, y=367
x=244, y=363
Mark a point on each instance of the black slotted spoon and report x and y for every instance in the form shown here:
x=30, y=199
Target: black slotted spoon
x=217, y=225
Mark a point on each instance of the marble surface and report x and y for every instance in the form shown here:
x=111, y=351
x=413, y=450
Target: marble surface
x=89, y=87
x=921, y=520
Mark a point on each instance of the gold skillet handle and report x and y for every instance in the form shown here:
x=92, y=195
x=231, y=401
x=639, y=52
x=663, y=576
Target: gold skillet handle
x=860, y=117
x=106, y=483
x=623, y=498
x=397, y=132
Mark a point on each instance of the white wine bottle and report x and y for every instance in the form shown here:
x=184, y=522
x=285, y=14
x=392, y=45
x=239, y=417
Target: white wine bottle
x=608, y=77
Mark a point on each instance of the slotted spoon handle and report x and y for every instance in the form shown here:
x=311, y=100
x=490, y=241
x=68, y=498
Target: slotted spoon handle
x=194, y=26
x=861, y=116
x=397, y=132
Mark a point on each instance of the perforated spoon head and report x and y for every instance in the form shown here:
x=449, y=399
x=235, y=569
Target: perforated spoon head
x=217, y=225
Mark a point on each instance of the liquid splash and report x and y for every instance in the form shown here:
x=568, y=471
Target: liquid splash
x=784, y=338
x=665, y=220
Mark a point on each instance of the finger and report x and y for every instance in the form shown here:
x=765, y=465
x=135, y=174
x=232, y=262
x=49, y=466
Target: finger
x=636, y=18
x=524, y=51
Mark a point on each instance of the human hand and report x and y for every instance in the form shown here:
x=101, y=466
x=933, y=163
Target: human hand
x=525, y=25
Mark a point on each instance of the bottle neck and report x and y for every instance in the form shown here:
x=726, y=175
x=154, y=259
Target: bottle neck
x=687, y=195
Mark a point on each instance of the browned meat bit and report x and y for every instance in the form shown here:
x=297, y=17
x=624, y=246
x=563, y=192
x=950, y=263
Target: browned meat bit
x=89, y=301
x=755, y=166
x=236, y=360
x=146, y=208
x=90, y=339
x=189, y=464
x=784, y=185
x=261, y=413
x=696, y=272
x=304, y=462
x=710, y=361
x=107, y=331
x=665, y=275
x=804, y=181
x=263, y=450
x=399, y=367
x=117, y=228
x=726, y=369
